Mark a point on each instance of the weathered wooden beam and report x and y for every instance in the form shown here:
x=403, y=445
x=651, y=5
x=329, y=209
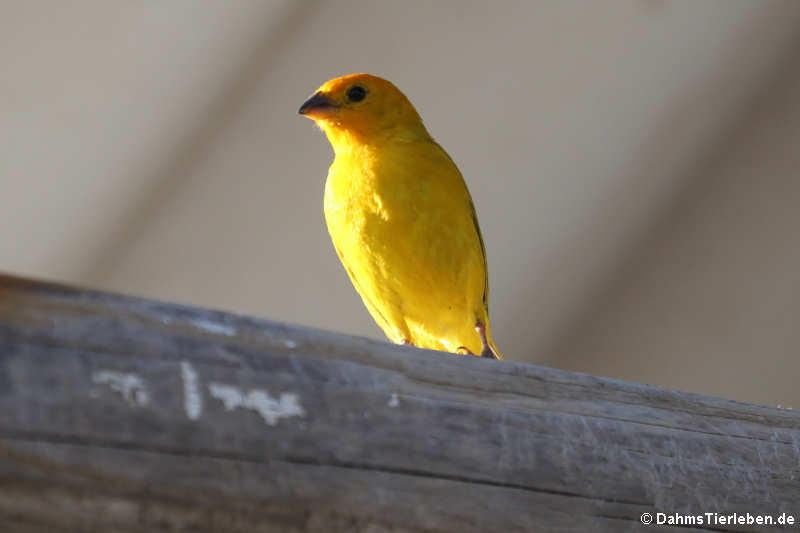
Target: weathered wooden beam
x=120, y=414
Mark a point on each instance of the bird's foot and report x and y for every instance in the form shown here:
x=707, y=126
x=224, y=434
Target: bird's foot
x=486, y=351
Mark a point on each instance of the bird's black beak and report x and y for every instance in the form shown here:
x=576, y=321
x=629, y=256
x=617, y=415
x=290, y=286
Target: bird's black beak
x=317, y=102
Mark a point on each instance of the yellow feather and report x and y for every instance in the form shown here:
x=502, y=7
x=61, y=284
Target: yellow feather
x=401, y=218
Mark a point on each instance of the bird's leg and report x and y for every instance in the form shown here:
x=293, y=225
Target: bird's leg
x=486, y=351
x=407, y=342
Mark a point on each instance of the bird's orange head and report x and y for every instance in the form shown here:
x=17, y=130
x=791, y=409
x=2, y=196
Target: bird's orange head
x=362, y=109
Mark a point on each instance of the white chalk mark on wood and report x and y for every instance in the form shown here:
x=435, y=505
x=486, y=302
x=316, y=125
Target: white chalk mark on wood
x=270, y=408
x=231, y=397
x=214, y=327
x=192, y=399
x=130, y=386
x=393, y=400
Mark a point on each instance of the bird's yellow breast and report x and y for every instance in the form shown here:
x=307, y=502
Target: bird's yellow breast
x=402, y=222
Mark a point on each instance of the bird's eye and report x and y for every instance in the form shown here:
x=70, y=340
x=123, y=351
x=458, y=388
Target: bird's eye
x=356, y=93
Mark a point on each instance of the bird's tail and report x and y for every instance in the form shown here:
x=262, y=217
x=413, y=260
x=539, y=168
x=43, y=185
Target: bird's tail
x=495, y=353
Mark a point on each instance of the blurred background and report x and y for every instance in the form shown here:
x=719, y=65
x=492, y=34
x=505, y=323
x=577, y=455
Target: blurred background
x=634, y=164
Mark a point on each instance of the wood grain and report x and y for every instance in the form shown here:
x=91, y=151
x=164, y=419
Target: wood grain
x=121, y=414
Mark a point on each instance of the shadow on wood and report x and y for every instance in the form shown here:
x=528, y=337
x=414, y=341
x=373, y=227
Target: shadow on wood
x=121, y=414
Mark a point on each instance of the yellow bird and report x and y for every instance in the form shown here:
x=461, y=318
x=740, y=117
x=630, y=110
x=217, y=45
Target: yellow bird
x=401, y=218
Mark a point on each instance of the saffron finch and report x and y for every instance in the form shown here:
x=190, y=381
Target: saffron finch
x=401, y=218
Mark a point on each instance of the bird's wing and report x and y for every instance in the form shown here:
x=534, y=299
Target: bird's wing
x=475, y=224
x=483, y=253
